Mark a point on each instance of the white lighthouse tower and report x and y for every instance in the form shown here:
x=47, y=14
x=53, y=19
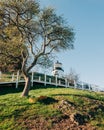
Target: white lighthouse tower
x=58, y=70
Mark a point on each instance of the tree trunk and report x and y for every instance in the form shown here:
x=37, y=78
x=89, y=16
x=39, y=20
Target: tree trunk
x=27, y=85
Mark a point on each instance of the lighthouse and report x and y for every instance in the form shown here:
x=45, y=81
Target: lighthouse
x=57, y=69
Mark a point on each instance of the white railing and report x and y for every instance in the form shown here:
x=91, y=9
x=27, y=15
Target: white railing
x=46, y=79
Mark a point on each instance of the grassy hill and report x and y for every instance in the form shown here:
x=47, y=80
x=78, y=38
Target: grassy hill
x=52, y=109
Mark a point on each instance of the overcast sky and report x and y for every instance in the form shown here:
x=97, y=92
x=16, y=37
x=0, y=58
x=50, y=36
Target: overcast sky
x=87, y=19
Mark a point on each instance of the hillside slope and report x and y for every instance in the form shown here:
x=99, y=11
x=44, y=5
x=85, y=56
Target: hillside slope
x=52, y=109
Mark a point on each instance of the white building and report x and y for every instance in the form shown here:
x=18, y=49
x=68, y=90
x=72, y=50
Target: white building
x=57, y=69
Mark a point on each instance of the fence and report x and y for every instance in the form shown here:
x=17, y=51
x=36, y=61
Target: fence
x=45, y=79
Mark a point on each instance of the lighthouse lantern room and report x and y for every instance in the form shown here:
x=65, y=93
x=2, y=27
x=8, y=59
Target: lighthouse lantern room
x=58, y=70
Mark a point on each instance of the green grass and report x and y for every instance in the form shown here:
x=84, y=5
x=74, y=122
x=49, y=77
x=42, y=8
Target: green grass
x=16, y=111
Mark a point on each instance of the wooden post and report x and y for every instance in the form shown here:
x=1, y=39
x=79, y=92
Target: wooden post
x=32, y=78
x=12, y=77
x=75, y=85
x=49, y=80
x=59, y=82
x=82, y=84
x=39, y=78
x=17, y=79
x=56, y=80
x=90, y=87
x=45, y=79
x=0, y=74
x=66, y=83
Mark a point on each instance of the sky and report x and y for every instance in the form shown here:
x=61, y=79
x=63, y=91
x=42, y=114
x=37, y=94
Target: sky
x=87, y=19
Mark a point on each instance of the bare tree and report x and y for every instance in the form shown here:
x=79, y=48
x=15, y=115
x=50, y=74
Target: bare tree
x=72, y=76
x=40, y=33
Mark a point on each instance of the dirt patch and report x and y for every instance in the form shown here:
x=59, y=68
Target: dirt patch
x=70, y=119
x=64, y=123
